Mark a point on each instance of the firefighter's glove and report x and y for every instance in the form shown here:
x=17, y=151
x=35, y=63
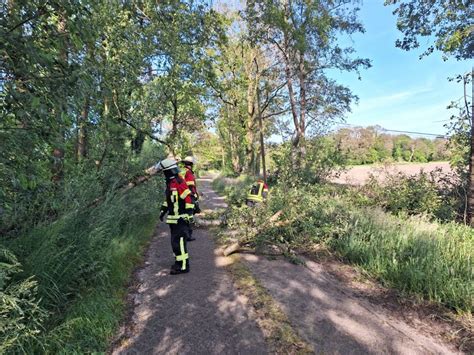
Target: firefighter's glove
x=197, y=209
x=189, y=219
x=162, y=216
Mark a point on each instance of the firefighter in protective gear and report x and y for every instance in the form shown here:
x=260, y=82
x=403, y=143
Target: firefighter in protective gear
x=257, y=193
x=179, y=206
x=190, y=179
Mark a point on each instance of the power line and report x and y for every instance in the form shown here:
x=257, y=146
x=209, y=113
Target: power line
x=420, y=133
x=401, y=131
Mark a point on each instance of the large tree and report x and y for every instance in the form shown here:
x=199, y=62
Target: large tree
x=305, y=36
x=80, y=90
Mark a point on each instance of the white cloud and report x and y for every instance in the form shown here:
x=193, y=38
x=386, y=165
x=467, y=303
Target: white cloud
x=384, y=101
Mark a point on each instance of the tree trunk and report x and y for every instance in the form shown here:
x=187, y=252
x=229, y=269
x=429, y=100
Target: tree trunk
x=58, y=144
x=302, y=123
x=289, y=83
x=262, y=142
x=470, y=182
x=253, y=79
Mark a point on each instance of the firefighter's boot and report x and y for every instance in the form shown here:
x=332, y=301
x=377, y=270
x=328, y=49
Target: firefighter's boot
x=176, y=269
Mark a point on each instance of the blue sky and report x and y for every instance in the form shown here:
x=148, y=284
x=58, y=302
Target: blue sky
x=400, y=91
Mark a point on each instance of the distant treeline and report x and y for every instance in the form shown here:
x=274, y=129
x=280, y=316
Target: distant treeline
x=370, y=145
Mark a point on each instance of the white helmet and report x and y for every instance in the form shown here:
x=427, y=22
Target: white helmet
x=166, y=164
x=189, y=160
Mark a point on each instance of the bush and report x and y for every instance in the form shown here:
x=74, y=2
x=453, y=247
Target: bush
x=411, y=254
x=323, y=159
x=433, y=194
x=235, y=189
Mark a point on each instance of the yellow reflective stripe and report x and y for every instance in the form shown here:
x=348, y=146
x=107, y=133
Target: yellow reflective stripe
x=165, y=204
x=183, y=252
x=190, y=183
x=178, y=216
x=185, y=193
x=175, y=203
x=260, y=189
x=254, y=198
x=182, y=257
x=189, y=205
x=171, y=221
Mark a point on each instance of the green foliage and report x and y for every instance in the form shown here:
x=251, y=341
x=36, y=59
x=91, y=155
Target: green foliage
x=21, y=316
x=235, y=189
x=449, y=23
x=399, y=193
x=370, y=145
x=431, y=260
x=323, y=159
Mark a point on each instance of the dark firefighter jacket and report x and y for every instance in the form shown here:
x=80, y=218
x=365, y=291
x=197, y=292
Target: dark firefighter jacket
x=179, y=202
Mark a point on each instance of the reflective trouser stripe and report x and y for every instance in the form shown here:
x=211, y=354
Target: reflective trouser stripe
x=184, y=256
x=176, y=203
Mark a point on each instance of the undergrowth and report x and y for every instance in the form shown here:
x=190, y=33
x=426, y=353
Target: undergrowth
x=76, y=271
x=411, y=253
x=63, y=279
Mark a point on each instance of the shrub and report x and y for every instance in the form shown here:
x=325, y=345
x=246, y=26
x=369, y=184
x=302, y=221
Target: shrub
x=428, y=259
x=433, y=194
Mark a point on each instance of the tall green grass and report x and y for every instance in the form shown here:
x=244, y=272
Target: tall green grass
x=81, y=265
x=415, y=256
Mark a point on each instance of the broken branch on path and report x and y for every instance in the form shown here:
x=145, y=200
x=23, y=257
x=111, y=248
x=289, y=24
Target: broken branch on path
x=240, y=245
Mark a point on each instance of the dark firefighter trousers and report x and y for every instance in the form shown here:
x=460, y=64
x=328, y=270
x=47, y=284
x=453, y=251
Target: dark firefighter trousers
x=179, y=236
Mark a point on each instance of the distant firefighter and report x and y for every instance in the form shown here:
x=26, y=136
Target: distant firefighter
x=258, y=193
x=190, y=179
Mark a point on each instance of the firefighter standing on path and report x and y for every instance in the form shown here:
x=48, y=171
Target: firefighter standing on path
x=190, y=179
x=179, y=206
x=258, y=193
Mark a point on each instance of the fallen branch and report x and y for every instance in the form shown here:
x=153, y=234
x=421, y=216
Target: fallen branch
x=240, y=245
x=138, y=180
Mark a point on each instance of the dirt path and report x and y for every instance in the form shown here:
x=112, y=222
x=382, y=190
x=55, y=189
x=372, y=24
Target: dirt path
x=195, y=313
x=331, y=318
